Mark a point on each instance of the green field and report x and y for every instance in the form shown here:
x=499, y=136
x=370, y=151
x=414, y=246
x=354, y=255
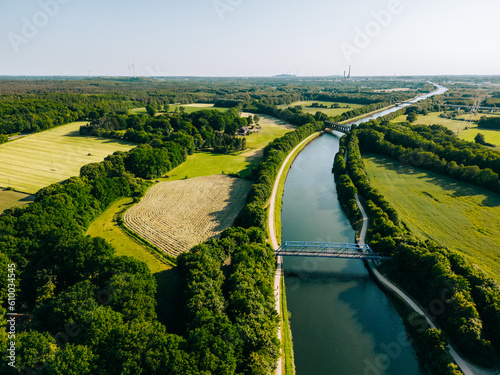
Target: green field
x=188, y=108
x=457, y=215
x=207, y=164
x=328, y=111
x=491, y=136
x=9, y=199
x=41, y=159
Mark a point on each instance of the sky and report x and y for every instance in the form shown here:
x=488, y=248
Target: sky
x=249, y=37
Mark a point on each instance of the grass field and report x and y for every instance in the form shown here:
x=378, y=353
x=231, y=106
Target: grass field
x=188, y=108
x=9, y=199
x=177, y=215
x=457, y=215
x=328, y=111
x=41, y=159
x=207, y=164
x=491, y=136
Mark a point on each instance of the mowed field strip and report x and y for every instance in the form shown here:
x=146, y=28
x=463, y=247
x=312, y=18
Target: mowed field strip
x=457, y=215
x=328, y=111
x=177, y=215
x=30, y=163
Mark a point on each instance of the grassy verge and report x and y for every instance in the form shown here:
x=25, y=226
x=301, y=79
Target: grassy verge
x=286, y=334
x=281, y=187
x=457, y=215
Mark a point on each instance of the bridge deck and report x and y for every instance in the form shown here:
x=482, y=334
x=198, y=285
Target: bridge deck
x=327, y=250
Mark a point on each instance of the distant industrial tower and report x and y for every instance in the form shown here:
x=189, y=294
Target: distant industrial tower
x=349, y=75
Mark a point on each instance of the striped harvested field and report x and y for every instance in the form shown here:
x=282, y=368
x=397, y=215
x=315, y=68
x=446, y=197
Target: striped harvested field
x=177, y=215
x=30, y=163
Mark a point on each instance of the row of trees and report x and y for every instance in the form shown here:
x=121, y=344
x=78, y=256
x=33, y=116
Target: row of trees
x=489, y=123
x=469, y=309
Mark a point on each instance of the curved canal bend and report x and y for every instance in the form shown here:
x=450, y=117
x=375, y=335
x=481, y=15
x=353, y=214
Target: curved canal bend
x=341, y=322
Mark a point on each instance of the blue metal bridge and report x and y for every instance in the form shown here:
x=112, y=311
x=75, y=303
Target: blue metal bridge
x=330, y=125
x=328, y=250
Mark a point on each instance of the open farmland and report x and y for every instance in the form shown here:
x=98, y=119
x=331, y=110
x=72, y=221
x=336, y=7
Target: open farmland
x=41, y=159
x=457, y=215
x=344, y=107
x=177, y=215
x=491, y=136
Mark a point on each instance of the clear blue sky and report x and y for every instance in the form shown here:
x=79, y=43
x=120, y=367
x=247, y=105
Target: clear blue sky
x=249, y=37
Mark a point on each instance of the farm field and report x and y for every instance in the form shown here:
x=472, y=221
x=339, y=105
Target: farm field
x=41, y=159
x=491, y=136
x=9, y=199
x=457, y=215
x=328, y=111
x=106, y=226
x=188, y=108
x=207, y=164
x=175, y=216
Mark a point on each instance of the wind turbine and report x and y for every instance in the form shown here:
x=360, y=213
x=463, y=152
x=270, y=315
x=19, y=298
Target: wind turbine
x=90, y=71
x=131, y=68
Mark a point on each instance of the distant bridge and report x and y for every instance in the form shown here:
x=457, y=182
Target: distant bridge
x=330, y=125
x=327, y=250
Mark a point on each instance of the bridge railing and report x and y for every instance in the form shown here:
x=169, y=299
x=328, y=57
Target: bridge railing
x=327, y=249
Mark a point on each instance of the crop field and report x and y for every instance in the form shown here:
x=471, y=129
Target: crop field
x=207, y=164
x=30, y=163
x=328, y=111
x=175, y=216
x=491, y=136
x=9, y=199
x=457, y=215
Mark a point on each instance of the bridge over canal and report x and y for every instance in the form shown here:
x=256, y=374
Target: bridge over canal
x=330, y=125
x=328, y=250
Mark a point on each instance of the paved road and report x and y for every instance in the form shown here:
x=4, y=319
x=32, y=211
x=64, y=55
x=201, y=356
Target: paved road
x=274, y=241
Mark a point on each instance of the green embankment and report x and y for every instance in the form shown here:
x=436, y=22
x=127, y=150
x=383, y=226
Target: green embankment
x=457, y=215
x=286, y=334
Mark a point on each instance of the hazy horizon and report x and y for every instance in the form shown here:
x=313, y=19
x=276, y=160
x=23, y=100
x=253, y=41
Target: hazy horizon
x=237, y=38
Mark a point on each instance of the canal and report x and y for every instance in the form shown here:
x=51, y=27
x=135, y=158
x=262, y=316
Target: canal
x=341, y=322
